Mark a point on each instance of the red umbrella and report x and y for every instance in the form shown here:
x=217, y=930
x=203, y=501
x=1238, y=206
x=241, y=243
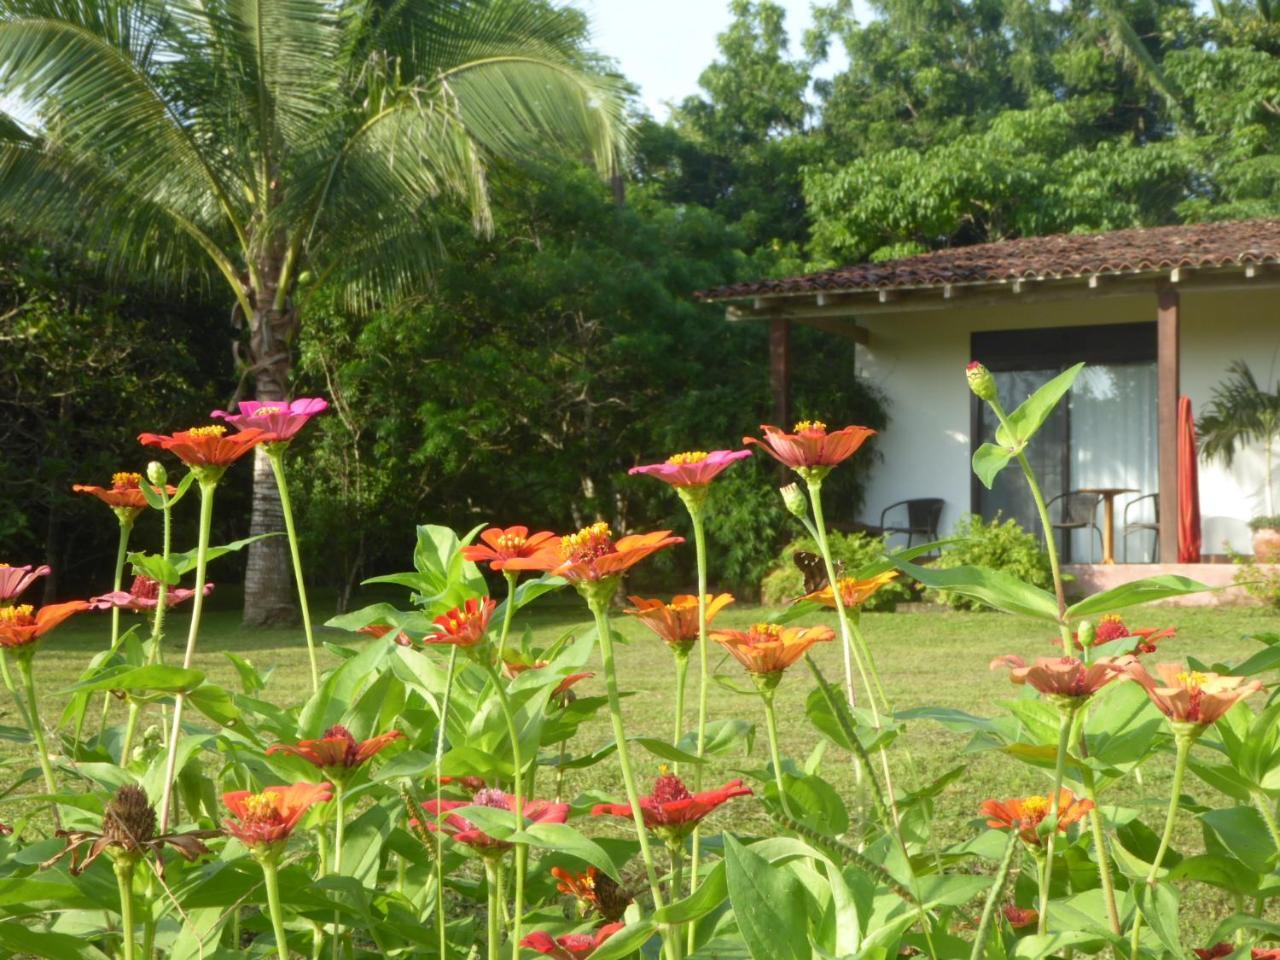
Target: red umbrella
x=1188, y=486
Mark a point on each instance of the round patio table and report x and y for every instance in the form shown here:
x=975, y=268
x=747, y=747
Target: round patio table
x=1108, y=495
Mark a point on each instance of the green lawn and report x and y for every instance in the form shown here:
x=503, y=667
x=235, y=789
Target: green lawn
x=926, y=658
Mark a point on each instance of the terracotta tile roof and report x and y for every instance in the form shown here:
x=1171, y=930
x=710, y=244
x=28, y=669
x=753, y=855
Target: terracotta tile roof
x=1143, y=250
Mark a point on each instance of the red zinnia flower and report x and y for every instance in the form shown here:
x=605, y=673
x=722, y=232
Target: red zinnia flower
x=571, y=946
x=1112, y=627
x=811, y=445
x=202, y=447
x=513, y=668
x=1025, y=814
x=514, y=543
x=125, y=493
x=463, y=626
x=337, y=751
x=1188, y=696
x=1226, y=950
x=269, y=816
x=768, y=648
x=676, y=622
x=1064, y=676
x=1019, y=918
x=15, y=580
x=696, y=468
x=671, y=808
x=380, y=630
x=472, y=785
x=24, y=624
x=464, y=831
x=144, y=595
x=278, y=422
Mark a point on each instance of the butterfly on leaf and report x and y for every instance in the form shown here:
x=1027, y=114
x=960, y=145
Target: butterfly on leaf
x=814, y=570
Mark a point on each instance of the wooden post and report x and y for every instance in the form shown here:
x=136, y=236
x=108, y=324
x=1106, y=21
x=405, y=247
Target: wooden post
x=780, y=370
x=1167, y=362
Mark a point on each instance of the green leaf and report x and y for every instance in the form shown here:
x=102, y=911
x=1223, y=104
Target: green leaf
x=156, y=567
x=1243, y=832
x=769, y=904
x=20, y=939
x=988, y=461
x=626, y=941
x=1222, y=872
x=709, y=895
x=153, y=677
x=1159, y=906
x=216, y=703
x=1031, y=414
x=1134, y=593
x=993, y=587
x=565, y=839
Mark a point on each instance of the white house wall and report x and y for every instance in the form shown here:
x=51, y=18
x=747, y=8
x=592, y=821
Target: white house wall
x=918, y=360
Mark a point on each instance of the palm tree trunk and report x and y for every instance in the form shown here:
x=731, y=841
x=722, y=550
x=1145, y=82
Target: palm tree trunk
x=268, y=577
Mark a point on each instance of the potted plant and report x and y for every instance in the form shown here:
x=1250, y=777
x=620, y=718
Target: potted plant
x=1240, y=413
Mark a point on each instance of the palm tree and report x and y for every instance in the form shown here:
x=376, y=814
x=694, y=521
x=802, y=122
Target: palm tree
x=1240, y=413
x=261, y=141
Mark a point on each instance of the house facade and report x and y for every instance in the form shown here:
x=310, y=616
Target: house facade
x=1155, y=313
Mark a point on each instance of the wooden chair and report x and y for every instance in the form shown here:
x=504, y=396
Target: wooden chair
x=1139, y=526
x=1078, y=511
x=923, y=516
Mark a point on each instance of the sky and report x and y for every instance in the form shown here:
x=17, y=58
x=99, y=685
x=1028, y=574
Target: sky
x=663, y=45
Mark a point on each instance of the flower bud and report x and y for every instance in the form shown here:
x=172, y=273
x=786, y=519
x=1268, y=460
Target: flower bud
x=981, y=382
x=795, y=500
x=156, y=473
x=1085, y=634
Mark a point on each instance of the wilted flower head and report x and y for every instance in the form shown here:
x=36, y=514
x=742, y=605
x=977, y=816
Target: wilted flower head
x=143, y=596
x=670, y=809
x=279, y=421
x=676, y=622
x=338, y=752
x=500, y=547
x=266, y=819
x=810, y=450
x=594, y=890
x=1025, y=814
x=464, y=626
x=570, y=946
x=1065, y=677
x=1018, y=918
x=1191, y=696
x=769, y=648
x=23, y=625
x=694, y=468
x=15, y=580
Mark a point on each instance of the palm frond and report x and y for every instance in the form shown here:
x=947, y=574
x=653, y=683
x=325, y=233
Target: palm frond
x=1240, y=412
x=1133, y=51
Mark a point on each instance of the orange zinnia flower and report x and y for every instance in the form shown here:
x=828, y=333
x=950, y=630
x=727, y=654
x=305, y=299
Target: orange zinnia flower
x=513, y=543
x=380, y=630
x=463, y=626
x=591, y=554
x=1064, y=676
x=1188, y=696
x=853, y=592
x=811, y=447
x=124, y=494
x=337, y=751
x=268, y=817
x=23, y=625
x=1025, y=814
x=676, y=622
x=512, y=668
x=594, y=891
x=768, y=648
x=206, y=447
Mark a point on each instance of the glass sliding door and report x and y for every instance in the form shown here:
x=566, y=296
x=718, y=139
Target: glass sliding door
x=1102, y=435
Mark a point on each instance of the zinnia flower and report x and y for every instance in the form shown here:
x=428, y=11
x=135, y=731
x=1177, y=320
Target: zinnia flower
x=853, y=592
x=594, y=891
x=1025, y=814
x=676, y=622
x=206, y=447
x=464, y=831
x=23, y=625
x=811, y=447
x=671, y=809
x=337, y=751
x=591, y=554
x=768, y=648
x=268, y=817
x=380, y=630
x=279, y=421
x=695, y=468
x=514, y=543
x=143, y=596
x=1019, y=918
x=1111, y=627
x=1064, y=676
x=1226, y=950
x=571, y=946
x=512, y=668
x=463, y=626
x=15, y=580
x=1188, y=696
x=123, y=496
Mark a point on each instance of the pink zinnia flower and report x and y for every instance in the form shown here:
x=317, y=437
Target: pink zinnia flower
x=1065, y=676
x=1190, y=696
x=811, y=446
x=695, y=468
x=143, y=596
x=279, y=421
x=464, y=831
x=15, y=580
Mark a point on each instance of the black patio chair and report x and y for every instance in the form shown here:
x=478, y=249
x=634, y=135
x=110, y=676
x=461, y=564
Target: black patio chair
x=1077, y=511
x=1139, y=526
x=923, y=516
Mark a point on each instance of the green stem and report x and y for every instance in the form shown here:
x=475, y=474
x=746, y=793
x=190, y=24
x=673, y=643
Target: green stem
x=675, y=850
x=1100, y=845
x=157, y=625
x=124, y=880
x=560, y=770
x=518, y=799
x=37, y=729
x=704, y=681
x=993, y=897
x=508, y=614
x=339, y=834
x=1065, y=723
x=491, y=887
x=275, y=455
x=682, y=676
x=1183, y=742
x=444, y=719
x=1263, y=804
x=273, y=907
x=207, y=488
x=1051, y=546
x=771, y=726
x=13, y=688
x=122, y=550
x=600, y=610
x=149, y=917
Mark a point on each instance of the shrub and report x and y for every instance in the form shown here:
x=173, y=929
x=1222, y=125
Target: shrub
x=999, y=545
x=1265, y=523
x=1260, y=582
x=784, y=582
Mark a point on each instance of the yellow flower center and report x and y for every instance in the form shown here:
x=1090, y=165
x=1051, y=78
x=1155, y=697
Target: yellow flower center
x=259, y=806
x=265, y=411
x=511, y=541
x=22, y=614
x=810, y=426
x=214, y=431
x=1192, y=679
x=4, y=566
x=593, y=541
x=458, y=619
x=766, y=631
x=1111, y=618
x=689, y=456
x=1036, y=807
x=126, y=481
